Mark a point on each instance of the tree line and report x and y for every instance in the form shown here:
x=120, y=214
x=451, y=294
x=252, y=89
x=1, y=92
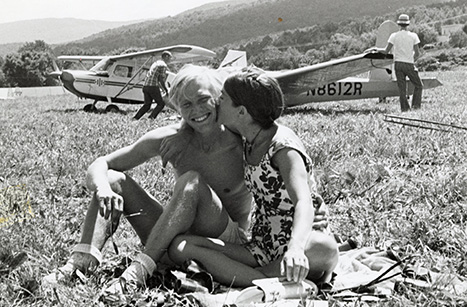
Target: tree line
x=289, y=49
x=28, y=67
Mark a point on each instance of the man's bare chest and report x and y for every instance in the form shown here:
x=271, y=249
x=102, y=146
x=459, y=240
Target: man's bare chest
x=221, y=169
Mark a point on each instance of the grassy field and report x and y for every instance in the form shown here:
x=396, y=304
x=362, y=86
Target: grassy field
x=382, y=181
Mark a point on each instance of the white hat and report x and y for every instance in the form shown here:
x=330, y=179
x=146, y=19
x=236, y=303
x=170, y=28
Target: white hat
x=403, y=19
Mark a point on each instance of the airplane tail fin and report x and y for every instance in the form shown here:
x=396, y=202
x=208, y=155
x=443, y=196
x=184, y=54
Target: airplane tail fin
x=384, y=31
x=234, y=58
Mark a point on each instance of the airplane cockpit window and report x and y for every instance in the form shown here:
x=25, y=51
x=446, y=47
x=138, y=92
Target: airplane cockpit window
x=102, y=65
x=123, y=71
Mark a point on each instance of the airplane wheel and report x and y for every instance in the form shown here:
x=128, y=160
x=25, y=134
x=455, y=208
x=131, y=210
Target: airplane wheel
x=112, y=108
x=89, y=108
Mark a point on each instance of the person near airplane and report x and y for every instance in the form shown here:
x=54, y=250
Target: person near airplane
x=279, y=173
x=405, y=46
x=153, y=84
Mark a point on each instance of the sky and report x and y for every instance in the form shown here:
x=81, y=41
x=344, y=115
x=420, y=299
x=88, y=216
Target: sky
x=107, y=10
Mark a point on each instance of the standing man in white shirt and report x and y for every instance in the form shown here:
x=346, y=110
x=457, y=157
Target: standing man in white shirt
x=406, y=51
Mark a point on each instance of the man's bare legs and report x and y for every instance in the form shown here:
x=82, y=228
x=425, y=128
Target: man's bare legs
x=229, y=264
x=141, y=209
x=194, y=208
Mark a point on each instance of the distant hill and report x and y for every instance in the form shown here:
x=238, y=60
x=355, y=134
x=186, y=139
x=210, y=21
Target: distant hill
x=211, y=25
x=9, y=48
x=54, y=30
x=226, y=22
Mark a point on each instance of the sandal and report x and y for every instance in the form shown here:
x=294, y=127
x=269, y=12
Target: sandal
x=80, y=260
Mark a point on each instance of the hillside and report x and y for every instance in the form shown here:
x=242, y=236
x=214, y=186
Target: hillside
x=9, y=48
x=233, y=21
x=54, y=30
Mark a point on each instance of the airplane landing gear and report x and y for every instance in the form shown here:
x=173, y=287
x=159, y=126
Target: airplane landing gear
x=112, y=108
x=90, y=107
x=382, y=100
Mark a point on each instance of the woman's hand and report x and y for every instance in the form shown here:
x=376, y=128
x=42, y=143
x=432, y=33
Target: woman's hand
x=172, y=147
x=294, y=265
x=321, y=213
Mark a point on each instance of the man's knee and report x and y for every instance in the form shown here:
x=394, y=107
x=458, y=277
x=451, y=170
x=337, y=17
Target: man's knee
x=322, y=248
x=177, y=249
x=322, y=253
x=116, y=180
x=189, y=180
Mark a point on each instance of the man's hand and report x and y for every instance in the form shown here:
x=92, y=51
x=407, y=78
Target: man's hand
x=110, y=203
x=371, y=50
x=294, y=265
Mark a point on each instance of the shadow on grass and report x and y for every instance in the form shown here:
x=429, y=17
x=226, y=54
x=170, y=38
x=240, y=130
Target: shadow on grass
x=339, y=110
x=98, y=111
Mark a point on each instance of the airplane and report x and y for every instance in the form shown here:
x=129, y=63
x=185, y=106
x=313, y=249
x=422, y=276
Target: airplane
x=117, y=79
x=335, y=80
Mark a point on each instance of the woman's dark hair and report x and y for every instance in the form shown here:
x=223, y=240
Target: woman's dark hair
x=259, y=93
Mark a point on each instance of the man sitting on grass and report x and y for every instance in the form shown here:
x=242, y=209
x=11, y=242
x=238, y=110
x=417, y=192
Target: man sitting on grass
x=209, y=199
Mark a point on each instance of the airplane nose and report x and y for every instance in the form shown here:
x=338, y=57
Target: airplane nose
x=67, y=77
x=68, y=82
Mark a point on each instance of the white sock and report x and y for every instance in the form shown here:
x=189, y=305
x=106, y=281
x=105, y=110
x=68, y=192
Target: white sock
x=140, y=269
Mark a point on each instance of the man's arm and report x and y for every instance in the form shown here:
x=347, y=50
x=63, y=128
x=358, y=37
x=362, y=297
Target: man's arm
x=416, y=50
x=162, y=70
x=388, y=48
x=123, y=159
x=382, y=50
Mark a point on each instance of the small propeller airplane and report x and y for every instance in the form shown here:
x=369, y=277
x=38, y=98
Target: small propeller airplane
x=119, y=78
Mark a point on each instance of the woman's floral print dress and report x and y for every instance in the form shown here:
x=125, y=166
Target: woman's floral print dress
x=274, y=211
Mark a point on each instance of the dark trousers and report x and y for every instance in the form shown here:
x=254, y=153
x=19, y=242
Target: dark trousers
x=404, y=70
x=151, y=93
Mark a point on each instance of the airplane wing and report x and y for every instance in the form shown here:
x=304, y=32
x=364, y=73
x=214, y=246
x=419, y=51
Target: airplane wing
x=296, y=80
x=180, y=53
x=80, y=58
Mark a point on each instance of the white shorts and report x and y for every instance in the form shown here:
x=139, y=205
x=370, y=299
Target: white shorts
x=234, y=233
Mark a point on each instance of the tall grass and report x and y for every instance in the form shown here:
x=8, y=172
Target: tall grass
x=382, y=181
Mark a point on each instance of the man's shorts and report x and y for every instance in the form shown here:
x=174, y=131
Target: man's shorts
x=233, y=233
